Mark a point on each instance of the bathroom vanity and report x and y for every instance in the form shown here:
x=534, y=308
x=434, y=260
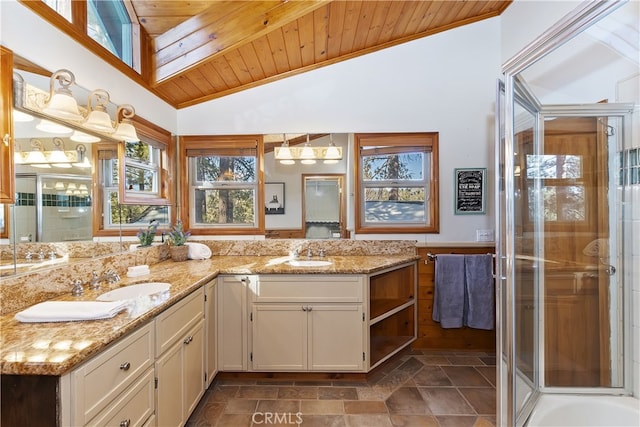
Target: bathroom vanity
x=228, y=313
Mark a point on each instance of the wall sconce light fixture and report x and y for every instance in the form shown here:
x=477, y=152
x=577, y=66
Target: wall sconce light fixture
x=61, y=103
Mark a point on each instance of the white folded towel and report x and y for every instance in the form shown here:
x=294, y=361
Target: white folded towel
x=67, y=311
x=198, y=251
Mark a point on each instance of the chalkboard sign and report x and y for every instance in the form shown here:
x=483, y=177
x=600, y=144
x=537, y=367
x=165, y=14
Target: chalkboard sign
x=470, y=189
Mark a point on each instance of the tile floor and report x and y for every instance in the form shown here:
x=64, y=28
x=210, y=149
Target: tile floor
x=415, y=388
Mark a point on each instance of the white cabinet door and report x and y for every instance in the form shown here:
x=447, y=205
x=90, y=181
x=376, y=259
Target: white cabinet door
x=232, y=322
x=180, y=373
x=192, y=369
x=279, y=337
x=336, y=337
x=169, y=394
x=211, y=367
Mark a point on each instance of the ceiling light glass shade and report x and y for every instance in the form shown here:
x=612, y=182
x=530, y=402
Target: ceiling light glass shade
x=307, y=153
x=287, y=162
x=58, y=156
x=283, y=153
x=69, y=192
x=333, y=153
x=35, y=156
x=51, y=127
x=126, y=131
x=72, y=186
x=99, y=120
x=330, y=161
x=308, y=161
x=84, y=164
x=61, y=103
x=59, y=185
x=83, y=137
x=82, y=187
x=19, y=116
x=64, y=107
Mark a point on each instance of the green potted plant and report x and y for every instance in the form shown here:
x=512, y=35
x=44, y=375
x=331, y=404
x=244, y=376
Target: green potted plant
x=146, y=236
x=177, y=239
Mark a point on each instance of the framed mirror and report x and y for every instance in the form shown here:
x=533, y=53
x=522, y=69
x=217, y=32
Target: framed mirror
x=324, y=206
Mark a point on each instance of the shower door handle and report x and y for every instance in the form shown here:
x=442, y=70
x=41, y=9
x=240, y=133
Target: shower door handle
x=610, y=270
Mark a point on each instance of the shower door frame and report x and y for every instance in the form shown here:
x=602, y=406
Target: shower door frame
x=508, y=414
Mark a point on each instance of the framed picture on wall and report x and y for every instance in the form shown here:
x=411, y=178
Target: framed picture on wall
x=273, y=198
x=470, y=184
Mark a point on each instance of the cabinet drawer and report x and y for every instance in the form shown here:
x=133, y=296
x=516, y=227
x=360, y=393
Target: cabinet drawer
x=133, y=408
x=308, y=288
x=174, y=322
x=96, y=383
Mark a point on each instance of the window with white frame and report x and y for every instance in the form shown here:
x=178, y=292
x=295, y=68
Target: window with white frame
x=397, y=183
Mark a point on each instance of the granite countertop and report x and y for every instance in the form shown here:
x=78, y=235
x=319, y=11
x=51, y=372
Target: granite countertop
x=57, y=347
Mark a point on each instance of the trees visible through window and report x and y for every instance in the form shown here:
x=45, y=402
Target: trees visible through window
x=397, y=175
x=223, y=193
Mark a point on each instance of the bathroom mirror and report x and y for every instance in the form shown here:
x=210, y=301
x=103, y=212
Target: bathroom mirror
x=324, y=206
x=55, y=196
x=291, y=224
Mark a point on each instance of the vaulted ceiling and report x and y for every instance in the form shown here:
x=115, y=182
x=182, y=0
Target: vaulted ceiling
x=202, y=50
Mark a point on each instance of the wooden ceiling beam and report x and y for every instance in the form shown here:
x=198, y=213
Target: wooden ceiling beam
x=222, y=27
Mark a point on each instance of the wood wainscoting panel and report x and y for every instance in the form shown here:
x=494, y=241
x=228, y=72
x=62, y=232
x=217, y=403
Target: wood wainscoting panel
x=430, y=334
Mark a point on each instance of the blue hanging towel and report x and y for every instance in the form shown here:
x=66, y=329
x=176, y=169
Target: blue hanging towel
x=448, y=300
x=480, y=294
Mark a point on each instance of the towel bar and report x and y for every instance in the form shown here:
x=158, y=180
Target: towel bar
x=432, y=257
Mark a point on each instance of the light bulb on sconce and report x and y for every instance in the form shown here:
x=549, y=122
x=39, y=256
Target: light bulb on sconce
x=57, y=157
x=98, y=118
x=82, y=160
x=125, y=130
x=307, y=156
x=61, y=103
x=284, y=152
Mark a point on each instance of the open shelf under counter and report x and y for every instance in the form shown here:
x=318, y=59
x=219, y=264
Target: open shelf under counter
x=391, y=334
x=392, y=312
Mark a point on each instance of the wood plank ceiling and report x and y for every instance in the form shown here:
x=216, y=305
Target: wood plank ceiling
x=202, y=50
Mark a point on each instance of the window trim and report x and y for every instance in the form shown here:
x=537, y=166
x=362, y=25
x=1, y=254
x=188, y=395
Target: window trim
x=208, y=143
x=78, y=31
x=402, y=142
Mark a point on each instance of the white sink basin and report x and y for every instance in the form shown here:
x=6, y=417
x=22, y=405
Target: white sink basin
x=308, y=263
x=135, y=291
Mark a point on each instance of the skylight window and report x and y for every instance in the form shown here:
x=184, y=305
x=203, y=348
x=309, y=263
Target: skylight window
x=109, y=24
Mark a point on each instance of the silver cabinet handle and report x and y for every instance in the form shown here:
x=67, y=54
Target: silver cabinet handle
x=304, y=308
x=125, y=423
x=125, y=366
x=309, y=308
x=188, y=339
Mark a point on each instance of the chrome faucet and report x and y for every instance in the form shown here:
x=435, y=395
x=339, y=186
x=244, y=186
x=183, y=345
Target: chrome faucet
x=110, y=276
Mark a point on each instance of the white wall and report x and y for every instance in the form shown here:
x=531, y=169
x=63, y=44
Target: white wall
x=444, y=83
x=525, y=20
x=33, y=38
